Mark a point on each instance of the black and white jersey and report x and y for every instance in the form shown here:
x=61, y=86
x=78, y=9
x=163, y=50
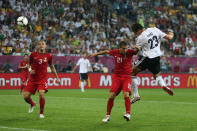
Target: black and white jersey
x=149, y=41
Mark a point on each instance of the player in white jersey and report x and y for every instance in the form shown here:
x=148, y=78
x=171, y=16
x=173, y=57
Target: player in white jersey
x=84, y=67
x=149, y=41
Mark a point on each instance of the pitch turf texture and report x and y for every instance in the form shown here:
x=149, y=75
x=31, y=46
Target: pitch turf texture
x=71, y=110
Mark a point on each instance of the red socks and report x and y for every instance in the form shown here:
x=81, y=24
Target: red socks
x=30, y=101
x=127, y=105
x=110, y=104
x=42, y=103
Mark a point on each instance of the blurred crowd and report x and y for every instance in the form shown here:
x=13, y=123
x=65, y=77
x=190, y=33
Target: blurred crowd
x=75, y=26
x=68, y=26
x=177, y=15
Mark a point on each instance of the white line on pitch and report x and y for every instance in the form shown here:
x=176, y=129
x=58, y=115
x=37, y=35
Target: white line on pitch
x=85, y=98
x=23, y=129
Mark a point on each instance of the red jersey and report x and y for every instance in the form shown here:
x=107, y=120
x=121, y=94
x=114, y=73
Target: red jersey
x=24, y=71
x=122, y=62
x=39, y=63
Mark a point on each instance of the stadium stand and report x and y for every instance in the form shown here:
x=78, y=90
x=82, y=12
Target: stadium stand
x=74, y=26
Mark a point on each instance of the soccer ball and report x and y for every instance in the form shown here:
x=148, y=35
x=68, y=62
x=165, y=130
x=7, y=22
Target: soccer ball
x=22, y=20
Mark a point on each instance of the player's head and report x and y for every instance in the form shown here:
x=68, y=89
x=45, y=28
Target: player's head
x=137, y=28
x=41, y=46
x=123, y=46
x=26, y=57
x=84, y=55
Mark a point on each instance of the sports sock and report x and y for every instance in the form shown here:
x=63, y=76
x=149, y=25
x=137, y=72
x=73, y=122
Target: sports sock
x=135, y=86
x=110, y=104
x=127, y=105
x=160, y=81
x=82, y=86
x=29, y=100
x=42, y=103
x=85, y=83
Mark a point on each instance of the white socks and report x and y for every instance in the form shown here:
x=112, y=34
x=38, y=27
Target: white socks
x=160, y=81
x=82, y=86
x=135, y=84
x=85, y=83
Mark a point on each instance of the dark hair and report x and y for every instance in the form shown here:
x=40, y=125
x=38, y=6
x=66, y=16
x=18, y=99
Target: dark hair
x=26, y=55
x=136, y=27
x=122, y=43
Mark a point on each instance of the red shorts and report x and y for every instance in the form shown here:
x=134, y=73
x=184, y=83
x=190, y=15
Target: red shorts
x=24, y=78
x=32, y=87
x=121, y=83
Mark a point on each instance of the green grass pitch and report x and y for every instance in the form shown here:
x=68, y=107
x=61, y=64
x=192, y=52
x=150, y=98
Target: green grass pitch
x=71, y=110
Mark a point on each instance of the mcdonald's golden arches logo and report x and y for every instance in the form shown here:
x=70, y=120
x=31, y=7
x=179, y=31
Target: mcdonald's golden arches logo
x=192, y=81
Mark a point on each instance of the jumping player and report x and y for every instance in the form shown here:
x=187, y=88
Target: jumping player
x=38, y=76
x=121, y=78
x=24, y=72
x=149, y=41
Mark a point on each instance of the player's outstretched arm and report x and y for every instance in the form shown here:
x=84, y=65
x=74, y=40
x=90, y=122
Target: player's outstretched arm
x=169, y=36
x=74, y=68
x=55, y=73
x=99, y=53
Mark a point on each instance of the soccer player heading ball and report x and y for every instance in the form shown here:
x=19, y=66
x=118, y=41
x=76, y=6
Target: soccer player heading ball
x=121, y=78
x=149, y=41
x=38, y=76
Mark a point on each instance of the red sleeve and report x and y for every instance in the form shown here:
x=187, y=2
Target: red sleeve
x=131, y=52
x=31, y=58
x=112, y=52
x=50, y=62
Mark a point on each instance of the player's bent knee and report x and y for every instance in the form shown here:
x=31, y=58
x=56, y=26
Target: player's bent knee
x=41, y=93
x=112, y=96
x=26, y=95
x=126, y=94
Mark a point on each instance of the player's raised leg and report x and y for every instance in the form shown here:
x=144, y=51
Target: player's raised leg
x=161, y=82
x=42, y=103
x=136, y=96
x=135, y=84
x=27, y=98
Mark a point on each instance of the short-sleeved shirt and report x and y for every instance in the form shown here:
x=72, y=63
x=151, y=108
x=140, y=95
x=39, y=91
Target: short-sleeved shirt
x=122, y=62
x=24, y=71
x=149, y=41
x=84, y=65
x=39, y=63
